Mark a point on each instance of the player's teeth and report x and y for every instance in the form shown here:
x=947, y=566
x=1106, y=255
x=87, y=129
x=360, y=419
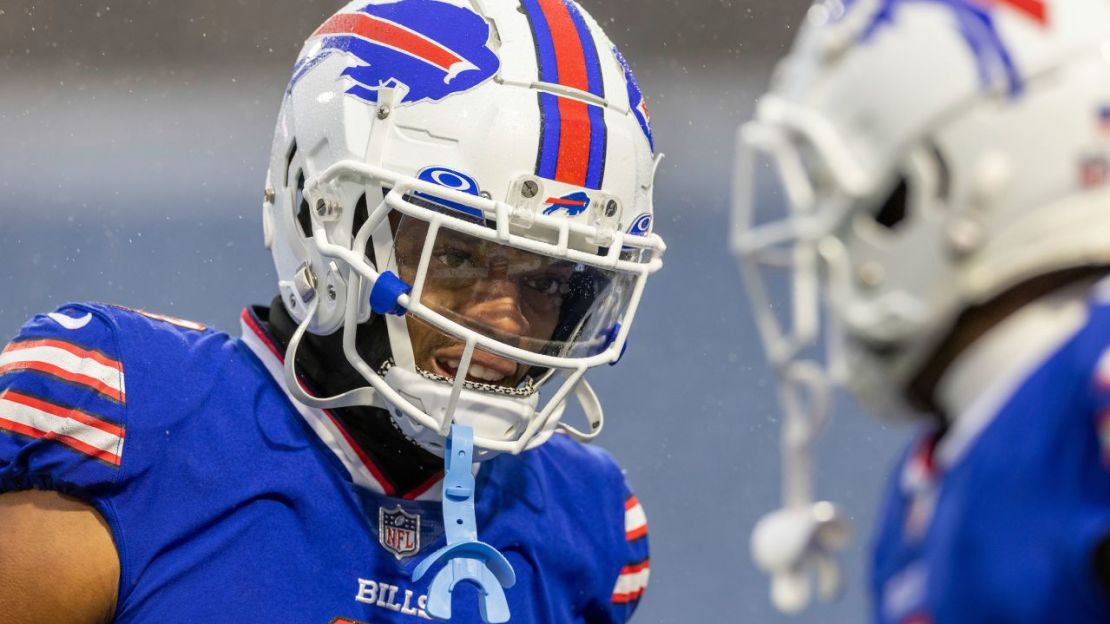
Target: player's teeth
x=452, y=364
x=478, y=371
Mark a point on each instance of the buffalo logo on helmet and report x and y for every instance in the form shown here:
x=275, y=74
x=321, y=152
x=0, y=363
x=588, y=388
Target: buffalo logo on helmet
x=575, y=204
x=427, y=48
x=976, y=22
x=399, y=531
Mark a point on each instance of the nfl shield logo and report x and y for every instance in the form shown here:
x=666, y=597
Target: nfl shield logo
x=399, y=531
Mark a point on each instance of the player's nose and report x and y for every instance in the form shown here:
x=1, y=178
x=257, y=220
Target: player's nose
x=496, y=305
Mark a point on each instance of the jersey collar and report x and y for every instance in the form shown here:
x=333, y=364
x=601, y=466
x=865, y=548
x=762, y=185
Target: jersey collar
x=979, y=382
x=363, y=472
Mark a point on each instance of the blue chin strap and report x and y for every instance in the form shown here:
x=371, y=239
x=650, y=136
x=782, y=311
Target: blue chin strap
x=465, y=558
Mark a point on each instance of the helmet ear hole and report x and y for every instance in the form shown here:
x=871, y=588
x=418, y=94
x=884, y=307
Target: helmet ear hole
x=303, y=217
x=362, y=215
x=894, y=210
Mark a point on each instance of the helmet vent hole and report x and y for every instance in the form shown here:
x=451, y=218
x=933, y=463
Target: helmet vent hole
x=362, y=215
x=894, y=210
x=944, y=174
x=289, y=156
x=303, y=216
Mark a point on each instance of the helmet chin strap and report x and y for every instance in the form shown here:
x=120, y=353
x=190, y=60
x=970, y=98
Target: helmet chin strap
x=360, y=396
x=591, y=407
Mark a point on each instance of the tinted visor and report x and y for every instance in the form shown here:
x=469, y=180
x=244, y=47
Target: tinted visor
x=536, y=303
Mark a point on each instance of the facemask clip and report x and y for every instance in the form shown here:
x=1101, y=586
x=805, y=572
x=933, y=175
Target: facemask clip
x=386, y=293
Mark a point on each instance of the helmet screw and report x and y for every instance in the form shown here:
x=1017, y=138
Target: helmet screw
x=485, y=195
x=530, y=189
x=331, y=292
x=292, y=301
x=611, y=208
x=321, y=207
x=964, y=236
x=270, y=196
x=871, y=274
x=384, y=111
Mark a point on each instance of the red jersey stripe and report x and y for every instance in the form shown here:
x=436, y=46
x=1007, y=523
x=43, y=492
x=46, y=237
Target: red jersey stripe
x=249, y=320
x=421, y=489
x=387, y=487
x=628, y=597
x=69, y=347
x=64, y=375
x=73, y=443
x=636, y=567
x=63, y=412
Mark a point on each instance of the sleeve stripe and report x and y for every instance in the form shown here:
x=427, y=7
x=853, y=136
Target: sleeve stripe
x=68, y=363
x=636, y=568
x=80, y=431
x=60, y=411
x=72, y=348
x=635, y=521
x=632, y=582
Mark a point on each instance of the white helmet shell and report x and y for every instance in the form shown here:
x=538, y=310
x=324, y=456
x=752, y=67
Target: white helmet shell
x=936, y=153
x=518, y=124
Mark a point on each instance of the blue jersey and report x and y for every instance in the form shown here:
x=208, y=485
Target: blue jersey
x=999, y=520
x=230, y=502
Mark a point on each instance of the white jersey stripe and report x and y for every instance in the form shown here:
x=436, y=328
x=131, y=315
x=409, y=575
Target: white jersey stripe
x=105, y=378
x=635, y=521
x=632, y=582
x=38, y=423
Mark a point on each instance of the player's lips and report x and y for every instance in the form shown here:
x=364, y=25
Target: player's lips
x=484, y=367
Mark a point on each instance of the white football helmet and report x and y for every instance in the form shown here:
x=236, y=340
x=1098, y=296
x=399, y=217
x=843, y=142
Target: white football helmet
x=464, y=147
x=932, y=155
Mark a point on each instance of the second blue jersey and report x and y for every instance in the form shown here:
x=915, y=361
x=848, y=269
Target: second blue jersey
x=1008, y=532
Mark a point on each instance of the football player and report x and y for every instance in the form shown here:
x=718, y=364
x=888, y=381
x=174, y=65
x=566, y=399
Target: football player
x=944, y=164
x=459, y=207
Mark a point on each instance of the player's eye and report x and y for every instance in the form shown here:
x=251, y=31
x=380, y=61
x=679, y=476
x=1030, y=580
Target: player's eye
x=453, y=258
x=547, y=284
